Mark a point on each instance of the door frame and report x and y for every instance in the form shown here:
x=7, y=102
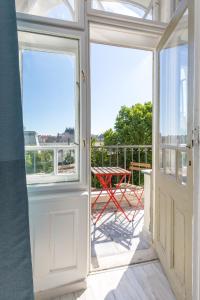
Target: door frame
x=35, y=24
x=148, y=45
x=51, y=191
x=193, y=122
x=196, y=151
x=24, y=22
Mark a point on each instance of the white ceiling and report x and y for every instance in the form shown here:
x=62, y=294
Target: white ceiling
x=106, y=34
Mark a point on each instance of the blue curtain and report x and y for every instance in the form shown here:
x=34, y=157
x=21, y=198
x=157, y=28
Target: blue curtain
x=15, y=258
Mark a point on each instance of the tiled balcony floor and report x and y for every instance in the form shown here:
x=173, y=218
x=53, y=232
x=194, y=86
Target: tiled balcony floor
x=145, y=281
x=117, y=242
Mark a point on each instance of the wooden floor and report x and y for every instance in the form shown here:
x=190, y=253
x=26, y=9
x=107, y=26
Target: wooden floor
x=145, y=281
x=117, y=242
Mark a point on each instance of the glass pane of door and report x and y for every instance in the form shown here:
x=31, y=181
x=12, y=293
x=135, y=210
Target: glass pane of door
x=170, y=162
x=182, y=167
x=174, y=94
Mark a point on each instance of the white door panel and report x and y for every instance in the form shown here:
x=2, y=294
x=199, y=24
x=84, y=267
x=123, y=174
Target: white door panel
x=58, y=239
x=173, y=155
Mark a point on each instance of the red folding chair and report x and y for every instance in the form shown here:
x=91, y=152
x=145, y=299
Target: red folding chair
x=138, y=191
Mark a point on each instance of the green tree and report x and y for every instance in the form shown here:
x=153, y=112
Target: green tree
x=133, y=126
x=39, y=162
x=111, y=137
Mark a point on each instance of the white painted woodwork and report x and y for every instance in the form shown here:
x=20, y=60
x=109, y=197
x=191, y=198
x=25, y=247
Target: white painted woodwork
x=59, y=232
x=57, y=27
x=196, y=195
x=148, y=201
x=26, y=11
x=166, y=10
x=173, y=205
x=59, y=212
x=173, y=238
x=108, y=34
x=140, y=282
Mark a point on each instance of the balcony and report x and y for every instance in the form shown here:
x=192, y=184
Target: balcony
x=114, y=240
x=113, y=235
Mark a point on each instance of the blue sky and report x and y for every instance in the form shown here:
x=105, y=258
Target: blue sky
x=48, y=92
x=119, y=76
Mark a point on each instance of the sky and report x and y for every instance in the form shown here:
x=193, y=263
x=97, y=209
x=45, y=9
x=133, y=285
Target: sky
x=119, y=76
x=48, y=92
x=174, y=94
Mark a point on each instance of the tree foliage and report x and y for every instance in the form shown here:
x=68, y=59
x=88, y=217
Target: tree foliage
x=133, y=126
x=39, y=162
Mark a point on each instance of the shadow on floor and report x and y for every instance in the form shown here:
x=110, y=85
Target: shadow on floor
x=114, y=236
x=145, y=281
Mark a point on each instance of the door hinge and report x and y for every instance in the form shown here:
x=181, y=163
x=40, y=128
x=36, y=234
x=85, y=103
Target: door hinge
x=196, y=136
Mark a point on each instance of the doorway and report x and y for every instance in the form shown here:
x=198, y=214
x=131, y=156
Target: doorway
x=64, y=208
x=121, y=137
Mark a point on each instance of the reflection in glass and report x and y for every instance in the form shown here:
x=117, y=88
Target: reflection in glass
x=161, y=158
x=177, y=2
x=56, y=9
x=39, y=162
x=149, y=16
x=170, y=162
x=174, y=101
x=50, y=107
x=182, y=167
x=174, y=86
x=137, y=9
x=66, y=161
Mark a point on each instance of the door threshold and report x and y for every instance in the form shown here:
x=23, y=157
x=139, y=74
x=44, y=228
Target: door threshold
x=122, y=260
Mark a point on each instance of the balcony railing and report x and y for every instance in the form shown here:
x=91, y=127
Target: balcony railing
x=51, y=160
x=55, y=160
x=121, y=156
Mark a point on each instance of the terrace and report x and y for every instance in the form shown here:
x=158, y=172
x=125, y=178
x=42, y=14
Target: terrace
x=113, y=235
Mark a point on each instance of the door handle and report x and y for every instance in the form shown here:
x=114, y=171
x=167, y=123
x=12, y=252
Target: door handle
x=189, y=146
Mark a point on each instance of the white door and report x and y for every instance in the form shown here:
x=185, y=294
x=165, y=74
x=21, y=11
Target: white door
x=54, y=116
x=173, y=155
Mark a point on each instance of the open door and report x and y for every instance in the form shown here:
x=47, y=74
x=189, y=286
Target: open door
x=54, y=115
x=173, y=155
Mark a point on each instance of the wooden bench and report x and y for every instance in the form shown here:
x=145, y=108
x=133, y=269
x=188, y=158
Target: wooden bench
x=138, y=166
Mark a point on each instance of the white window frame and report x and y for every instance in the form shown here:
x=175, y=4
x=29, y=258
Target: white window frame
x=77, y=24
x=153, y=5
x=82, y=183
x=56, y=177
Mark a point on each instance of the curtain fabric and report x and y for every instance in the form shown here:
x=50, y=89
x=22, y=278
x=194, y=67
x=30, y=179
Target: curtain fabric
x=15, y=258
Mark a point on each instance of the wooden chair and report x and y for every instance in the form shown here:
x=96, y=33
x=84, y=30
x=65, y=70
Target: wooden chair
x=138, y=190
x=138, y=166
